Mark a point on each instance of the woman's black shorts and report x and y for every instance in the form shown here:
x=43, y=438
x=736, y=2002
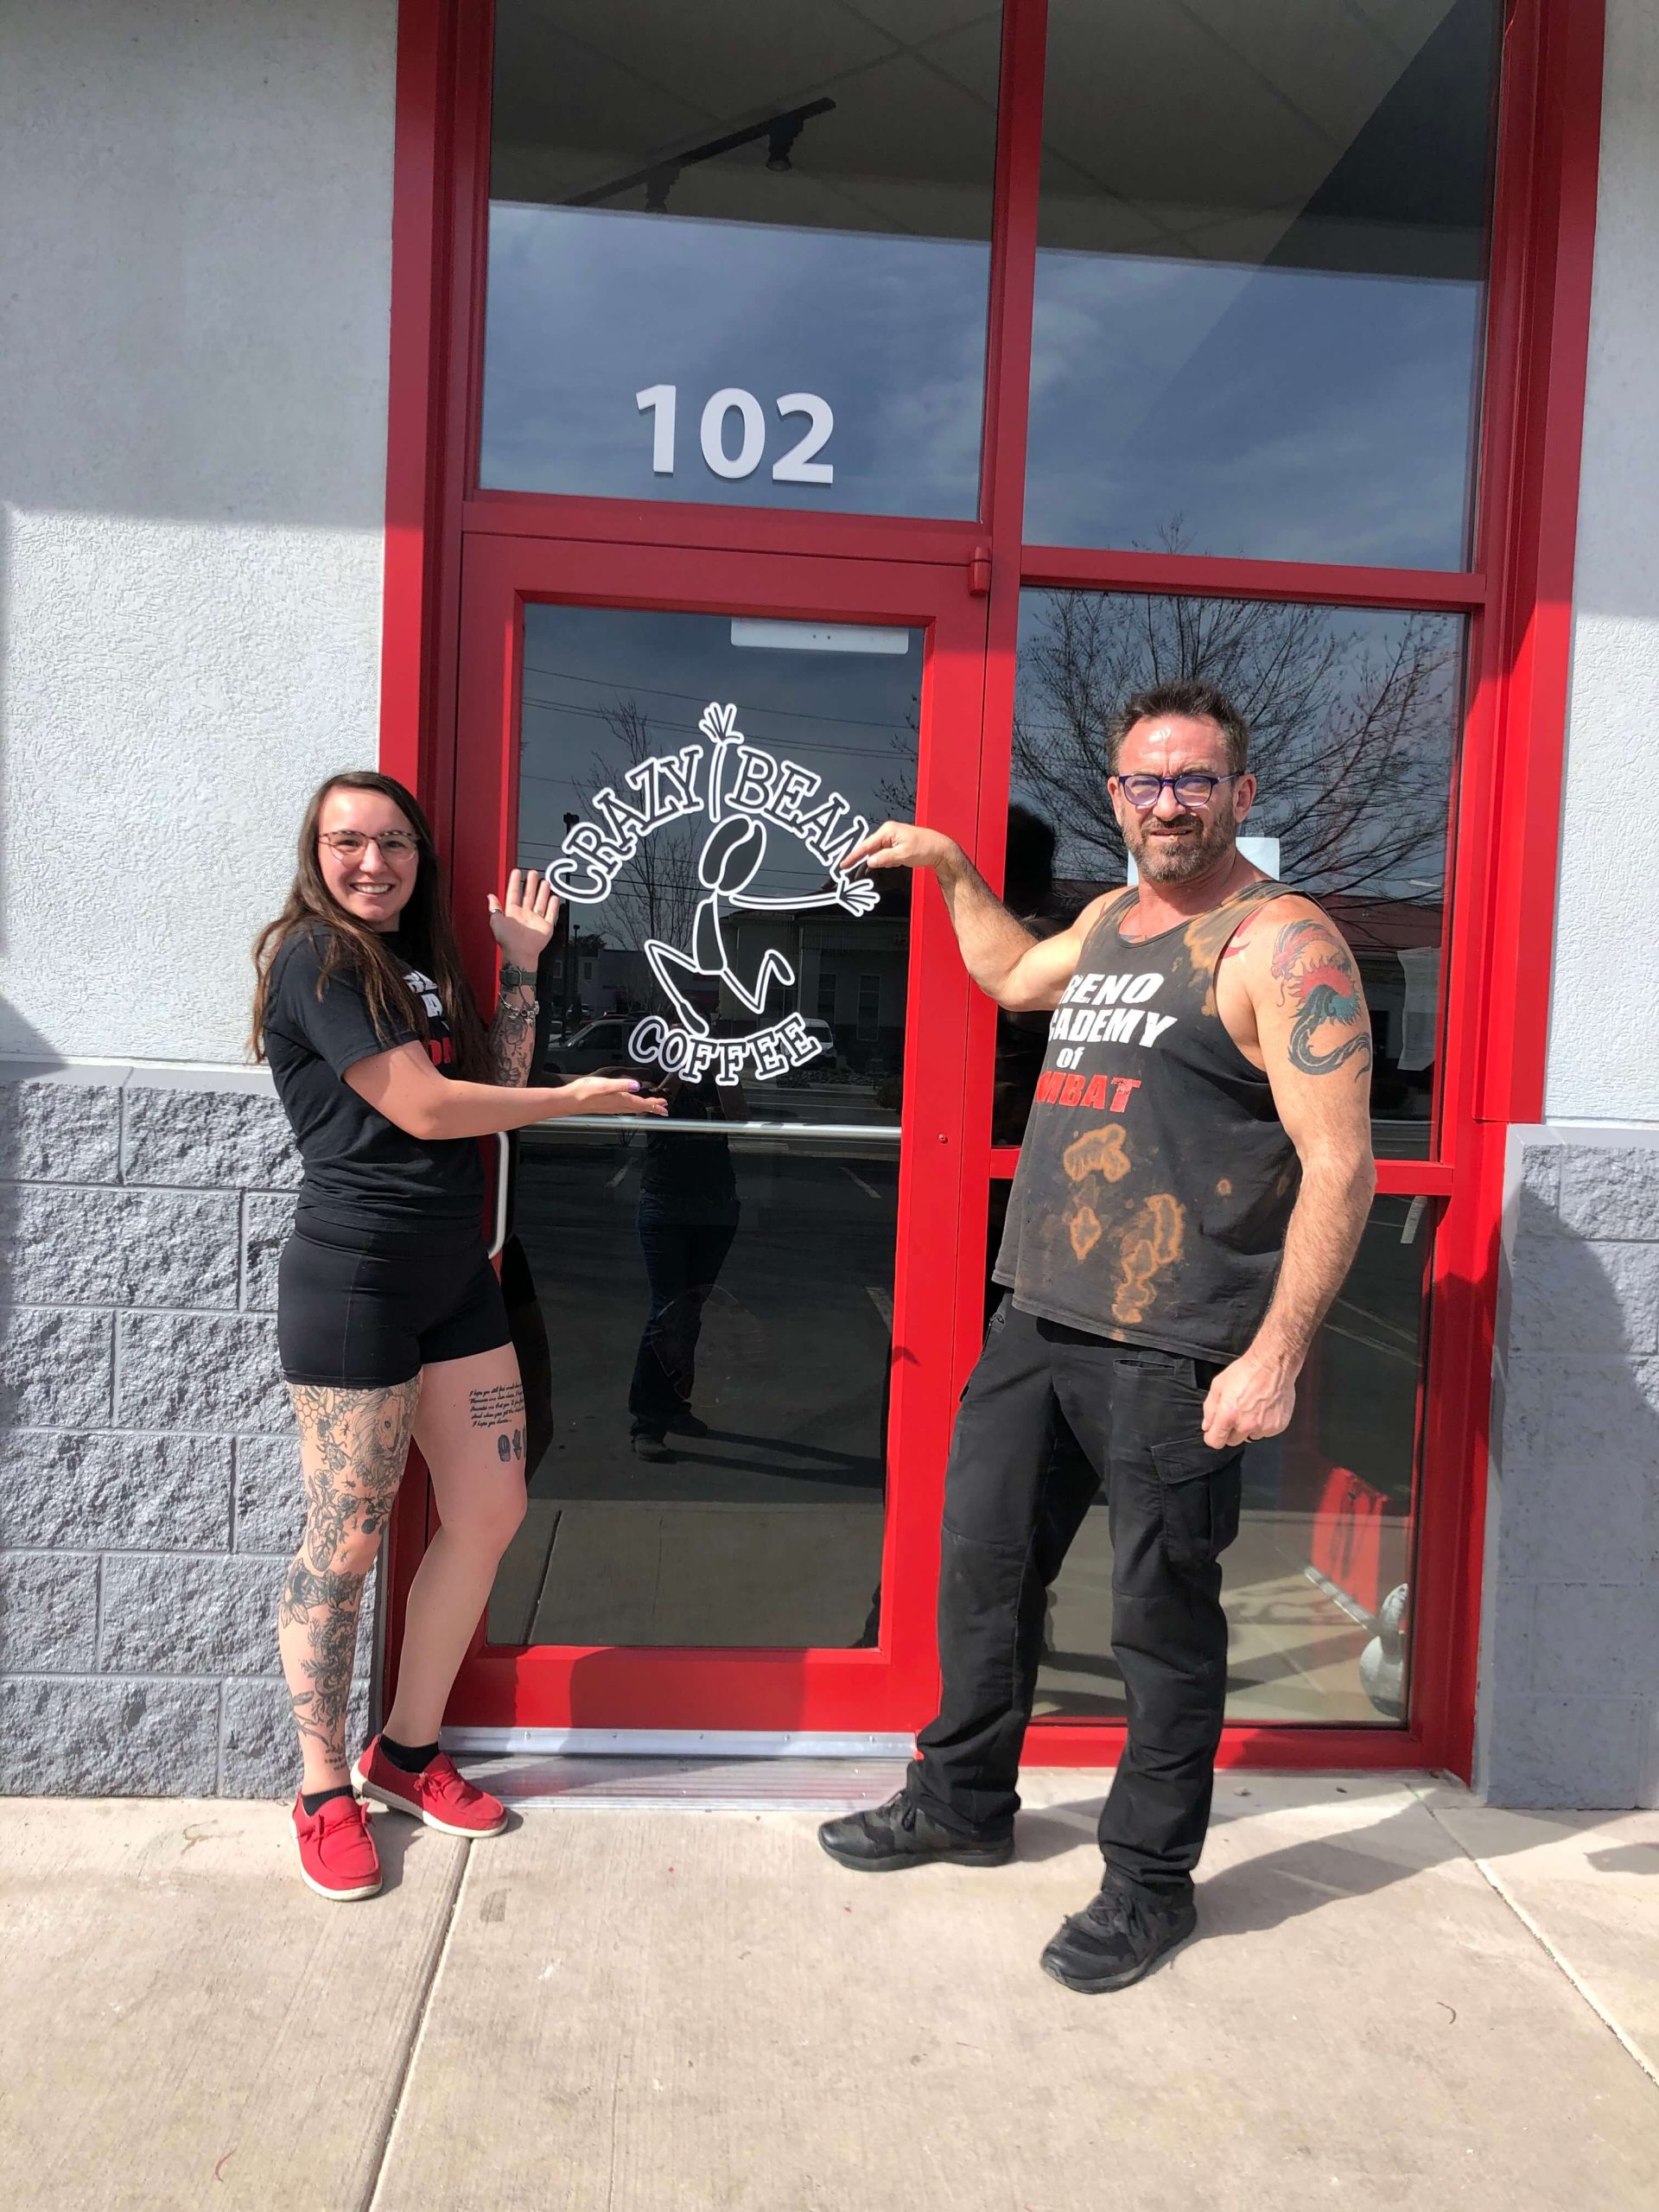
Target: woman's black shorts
x=358, y=1311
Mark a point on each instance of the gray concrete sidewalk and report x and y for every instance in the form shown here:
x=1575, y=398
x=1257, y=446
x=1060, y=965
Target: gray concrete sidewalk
x=1399, y=1995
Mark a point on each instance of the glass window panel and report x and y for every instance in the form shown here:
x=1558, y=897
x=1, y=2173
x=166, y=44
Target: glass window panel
x=768, y=205
x=1259, y=280
x=744, y=1276
x=734, y=1265
x=1316, y=1585
x=1354, y=715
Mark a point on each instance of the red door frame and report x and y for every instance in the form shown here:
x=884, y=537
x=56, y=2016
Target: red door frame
x=1518, y=599
x=773, y=1691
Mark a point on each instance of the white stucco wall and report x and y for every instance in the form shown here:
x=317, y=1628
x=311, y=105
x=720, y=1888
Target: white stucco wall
x=194, y=268
x=1603, y=1039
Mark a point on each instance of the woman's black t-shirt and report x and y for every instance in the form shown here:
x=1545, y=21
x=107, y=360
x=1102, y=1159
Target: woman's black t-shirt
x=361, y=1171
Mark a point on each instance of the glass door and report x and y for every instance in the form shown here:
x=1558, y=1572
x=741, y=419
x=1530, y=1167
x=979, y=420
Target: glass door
x=752, y=1310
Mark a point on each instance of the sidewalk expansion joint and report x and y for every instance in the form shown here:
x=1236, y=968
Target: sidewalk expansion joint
x=370, y=2197
x=1563, y=1964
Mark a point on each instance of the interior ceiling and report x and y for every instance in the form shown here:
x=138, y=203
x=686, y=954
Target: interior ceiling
x=1166, y=121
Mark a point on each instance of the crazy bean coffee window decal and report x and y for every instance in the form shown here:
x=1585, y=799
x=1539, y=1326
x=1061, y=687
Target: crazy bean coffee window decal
x=748, y=797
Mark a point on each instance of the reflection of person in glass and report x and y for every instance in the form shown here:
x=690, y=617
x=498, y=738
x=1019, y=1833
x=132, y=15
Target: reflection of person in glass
x=1193, y=1184
x=687, y=1219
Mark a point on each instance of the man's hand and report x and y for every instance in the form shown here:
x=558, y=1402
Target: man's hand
x=523, y=924
x=1251, y=1399
x=906, y=844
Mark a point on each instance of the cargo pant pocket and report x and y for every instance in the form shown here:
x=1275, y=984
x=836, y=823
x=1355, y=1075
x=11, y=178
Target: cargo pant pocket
x=1198, y=1494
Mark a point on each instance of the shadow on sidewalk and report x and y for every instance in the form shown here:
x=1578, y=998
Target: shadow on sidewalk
x=1281, y=1886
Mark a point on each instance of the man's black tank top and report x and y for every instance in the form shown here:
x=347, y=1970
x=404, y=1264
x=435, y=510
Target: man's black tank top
x=1155, y=1179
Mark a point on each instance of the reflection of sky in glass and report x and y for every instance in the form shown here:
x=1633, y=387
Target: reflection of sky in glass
x=587, y=307
x=850, y=718
x=1279, y=413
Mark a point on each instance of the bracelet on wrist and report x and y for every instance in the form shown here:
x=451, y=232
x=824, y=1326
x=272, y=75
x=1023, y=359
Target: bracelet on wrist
x=515, y=978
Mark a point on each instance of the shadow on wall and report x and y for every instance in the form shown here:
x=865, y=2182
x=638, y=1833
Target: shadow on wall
x=17, y=1164
x=1569, y=1691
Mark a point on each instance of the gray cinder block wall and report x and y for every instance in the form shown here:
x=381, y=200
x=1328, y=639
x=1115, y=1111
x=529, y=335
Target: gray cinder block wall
x=1569, y=1689
x=150, y=1494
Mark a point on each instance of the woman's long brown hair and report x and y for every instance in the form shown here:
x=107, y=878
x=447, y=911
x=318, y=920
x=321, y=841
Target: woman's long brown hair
x=424, y=925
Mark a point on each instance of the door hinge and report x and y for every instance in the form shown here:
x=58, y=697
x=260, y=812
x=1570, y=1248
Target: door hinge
x=979, y=571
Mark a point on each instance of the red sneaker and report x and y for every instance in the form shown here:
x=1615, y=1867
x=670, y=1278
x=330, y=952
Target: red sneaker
x=440, y=1794
x=338, y=1858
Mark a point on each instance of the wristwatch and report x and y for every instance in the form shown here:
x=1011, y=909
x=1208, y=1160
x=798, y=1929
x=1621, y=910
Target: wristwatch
x=514, y=978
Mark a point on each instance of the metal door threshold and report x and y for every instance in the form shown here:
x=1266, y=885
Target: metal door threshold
x=677, y=1743
x=531, y=1782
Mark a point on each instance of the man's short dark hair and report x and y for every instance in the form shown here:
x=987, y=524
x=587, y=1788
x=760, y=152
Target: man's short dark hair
x=1193, y=697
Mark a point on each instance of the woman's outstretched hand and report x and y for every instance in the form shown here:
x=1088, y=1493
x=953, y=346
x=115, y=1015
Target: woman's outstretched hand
x=522, y=923
x=609, y=1094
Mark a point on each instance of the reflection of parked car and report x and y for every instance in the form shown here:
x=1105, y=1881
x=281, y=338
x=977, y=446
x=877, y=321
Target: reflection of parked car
x=598, y=1044
x=822, y=1036
x=819, y=1030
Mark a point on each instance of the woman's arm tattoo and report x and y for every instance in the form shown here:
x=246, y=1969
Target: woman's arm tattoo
x=513, y=1040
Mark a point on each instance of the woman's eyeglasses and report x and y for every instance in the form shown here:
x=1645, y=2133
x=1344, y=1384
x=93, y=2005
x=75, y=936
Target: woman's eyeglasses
x=348, y=843
x=1192, y=789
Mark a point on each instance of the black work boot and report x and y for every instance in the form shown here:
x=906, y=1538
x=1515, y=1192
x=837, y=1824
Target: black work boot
x=1118, y=1936
x=900, y=1834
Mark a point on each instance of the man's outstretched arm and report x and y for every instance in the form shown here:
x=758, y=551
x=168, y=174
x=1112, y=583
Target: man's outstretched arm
x=1022, y=972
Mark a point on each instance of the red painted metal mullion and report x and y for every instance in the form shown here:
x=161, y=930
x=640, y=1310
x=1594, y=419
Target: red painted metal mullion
x=1014, y=273
x=1218, y=577
x=1544, y=234
x=415, y=387
x=696, y=527
x=1450, y=1505
x=468, y=233
x=1013, y=268
x=422, y=539
x=1404, y=1178
x=933, y=1219
x=1530, y=654
x=1299, y=1748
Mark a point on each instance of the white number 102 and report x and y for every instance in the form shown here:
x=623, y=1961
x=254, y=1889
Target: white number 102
x=798, y=466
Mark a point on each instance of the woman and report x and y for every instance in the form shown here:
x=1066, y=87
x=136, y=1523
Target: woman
x=389, y=1319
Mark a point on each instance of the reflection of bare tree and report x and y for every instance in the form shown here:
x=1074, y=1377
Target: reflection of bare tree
x=1350, y=738
x=896, y=793
x=656, y=893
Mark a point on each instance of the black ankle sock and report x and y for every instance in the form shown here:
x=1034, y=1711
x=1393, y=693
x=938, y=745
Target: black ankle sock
x=414, y=1758
x=312, y=1799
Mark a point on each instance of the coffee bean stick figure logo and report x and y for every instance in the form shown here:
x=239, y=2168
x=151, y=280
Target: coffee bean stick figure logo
x=747, y=795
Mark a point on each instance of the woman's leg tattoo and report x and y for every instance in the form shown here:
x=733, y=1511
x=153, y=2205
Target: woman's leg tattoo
x=353, y=1447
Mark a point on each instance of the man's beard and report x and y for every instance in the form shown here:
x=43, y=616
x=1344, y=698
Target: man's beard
x=1178, y=860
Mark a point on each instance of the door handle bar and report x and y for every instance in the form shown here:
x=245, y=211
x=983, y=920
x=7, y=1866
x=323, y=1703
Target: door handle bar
x=503, y=1155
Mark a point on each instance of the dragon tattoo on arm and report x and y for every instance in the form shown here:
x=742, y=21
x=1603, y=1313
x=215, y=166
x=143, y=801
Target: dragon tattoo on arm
x=1316, y=974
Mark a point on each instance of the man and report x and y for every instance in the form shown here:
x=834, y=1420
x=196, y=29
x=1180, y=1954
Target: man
x=1194, y=1178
